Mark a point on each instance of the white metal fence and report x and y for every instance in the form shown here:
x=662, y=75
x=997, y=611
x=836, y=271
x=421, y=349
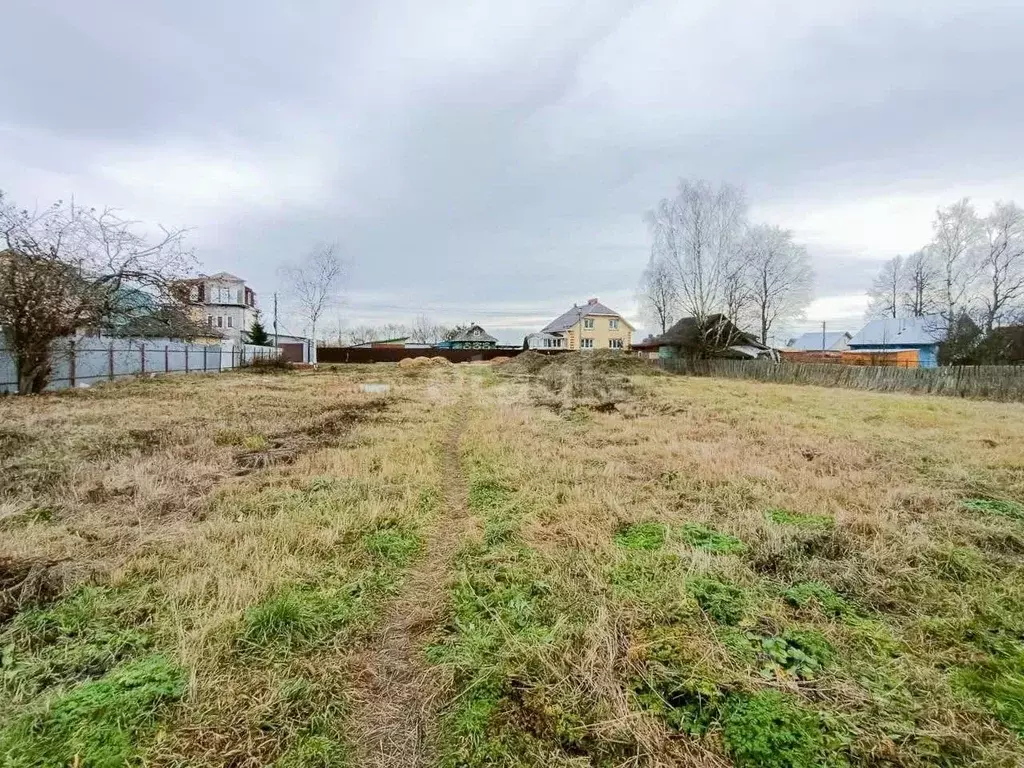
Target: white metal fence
x=84, y=361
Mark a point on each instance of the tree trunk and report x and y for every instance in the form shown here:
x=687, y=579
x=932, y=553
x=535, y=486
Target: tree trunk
x=33, y=372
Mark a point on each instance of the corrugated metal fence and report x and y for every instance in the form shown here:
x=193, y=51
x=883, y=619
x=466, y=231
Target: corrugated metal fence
x=85, y=361
x=991, y=382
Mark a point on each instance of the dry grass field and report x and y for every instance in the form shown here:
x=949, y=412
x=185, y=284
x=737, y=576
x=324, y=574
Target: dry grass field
x=529, y=564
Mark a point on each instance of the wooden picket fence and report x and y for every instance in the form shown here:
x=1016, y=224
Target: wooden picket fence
x=989, y=382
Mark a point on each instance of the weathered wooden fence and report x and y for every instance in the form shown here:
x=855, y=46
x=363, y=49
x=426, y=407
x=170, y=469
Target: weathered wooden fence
x=991, y=382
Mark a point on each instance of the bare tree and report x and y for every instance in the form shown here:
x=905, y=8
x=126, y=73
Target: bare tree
x=315, y=284
x=957, y=236
x=779, y=276
x=696, y=233
x=887, y=290
x=1002, y=263
x=425, y=331
x=63, y=270
x=658, y=293
x=920, y=284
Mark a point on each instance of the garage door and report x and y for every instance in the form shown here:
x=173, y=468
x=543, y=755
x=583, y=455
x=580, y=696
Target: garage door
x=291, y=352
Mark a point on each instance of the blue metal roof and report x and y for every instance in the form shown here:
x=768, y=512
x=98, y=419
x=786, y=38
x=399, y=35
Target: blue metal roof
x=889, y=332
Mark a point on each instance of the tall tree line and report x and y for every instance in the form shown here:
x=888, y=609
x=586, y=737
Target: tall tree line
x=707, y=259
x=972, y=267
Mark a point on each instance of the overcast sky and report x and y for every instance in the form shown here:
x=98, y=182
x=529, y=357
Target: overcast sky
x=492, y=161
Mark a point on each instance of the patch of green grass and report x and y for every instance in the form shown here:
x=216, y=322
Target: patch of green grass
x=393, y=543
x=723, y=602
x=997, y=682
x=1000, y=508
x=646, y=536
x=817, y=594
x=487, y=494
x=99, y=723
x=651, y=579
x=300, y=617
x=799, y=519
x=77, y=638
x=771, y=730
x=802, y=653
x=313, y=751
x=702, y=537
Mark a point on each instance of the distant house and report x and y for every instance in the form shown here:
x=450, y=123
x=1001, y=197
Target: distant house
x=473, y=337
x=816, y=341
x=718, y=337
x=223, y=302
x=590, y=326
x=905, y=341
x=399, y=342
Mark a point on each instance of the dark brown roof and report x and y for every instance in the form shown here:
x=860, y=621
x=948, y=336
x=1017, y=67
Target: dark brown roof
x=720, y=332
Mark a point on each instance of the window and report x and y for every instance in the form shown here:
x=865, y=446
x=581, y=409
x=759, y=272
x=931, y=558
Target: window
x=229, y=321
x=220, y=321
x=240, y=296
x=614, y=343
x=587, y=343
x=588, y=322
x=614, y=324
x=209, y=319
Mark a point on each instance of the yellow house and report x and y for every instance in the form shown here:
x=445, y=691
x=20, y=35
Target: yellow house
x=591, y=326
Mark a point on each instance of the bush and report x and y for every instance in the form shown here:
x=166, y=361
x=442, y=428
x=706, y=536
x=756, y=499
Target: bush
x=270, y=365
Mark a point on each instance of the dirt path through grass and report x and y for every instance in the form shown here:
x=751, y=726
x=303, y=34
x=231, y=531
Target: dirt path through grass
x=396, y=693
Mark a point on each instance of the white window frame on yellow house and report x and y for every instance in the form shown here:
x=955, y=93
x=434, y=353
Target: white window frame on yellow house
x=586, y=343
x=613, y=323
x=588, y=323
x=615, y=344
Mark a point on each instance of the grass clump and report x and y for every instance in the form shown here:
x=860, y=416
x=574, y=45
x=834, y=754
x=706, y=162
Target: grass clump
x=313, y=751
x=644, y=536
x=723, y=602
x=77, y=638
x=999, y=508
x=997, y=683
x=702, y=537
x=799, y=519
x=817, y=594
x=300, y=617
x=771, y=730
x=393, y=543
x=98, y=723
x=801, y=653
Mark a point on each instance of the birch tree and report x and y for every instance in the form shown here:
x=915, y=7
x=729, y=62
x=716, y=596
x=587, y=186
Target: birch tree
x=920, y=284
x=658, y=293
x=887, y=290
x=779, y=276
x=1002, y=263
x=315, y=285
x=697, y=232
x=957, y=236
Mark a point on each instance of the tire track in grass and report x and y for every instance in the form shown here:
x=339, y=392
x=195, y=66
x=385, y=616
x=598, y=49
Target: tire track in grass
x=395, y=699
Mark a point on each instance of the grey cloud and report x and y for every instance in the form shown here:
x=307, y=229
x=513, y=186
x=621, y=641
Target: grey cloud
x=503, y=155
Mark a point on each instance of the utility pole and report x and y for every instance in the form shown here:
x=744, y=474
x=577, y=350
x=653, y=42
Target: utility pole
x=822, y=335
x=275, y=318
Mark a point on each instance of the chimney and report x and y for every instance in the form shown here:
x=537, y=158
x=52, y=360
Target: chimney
x=591, y=301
